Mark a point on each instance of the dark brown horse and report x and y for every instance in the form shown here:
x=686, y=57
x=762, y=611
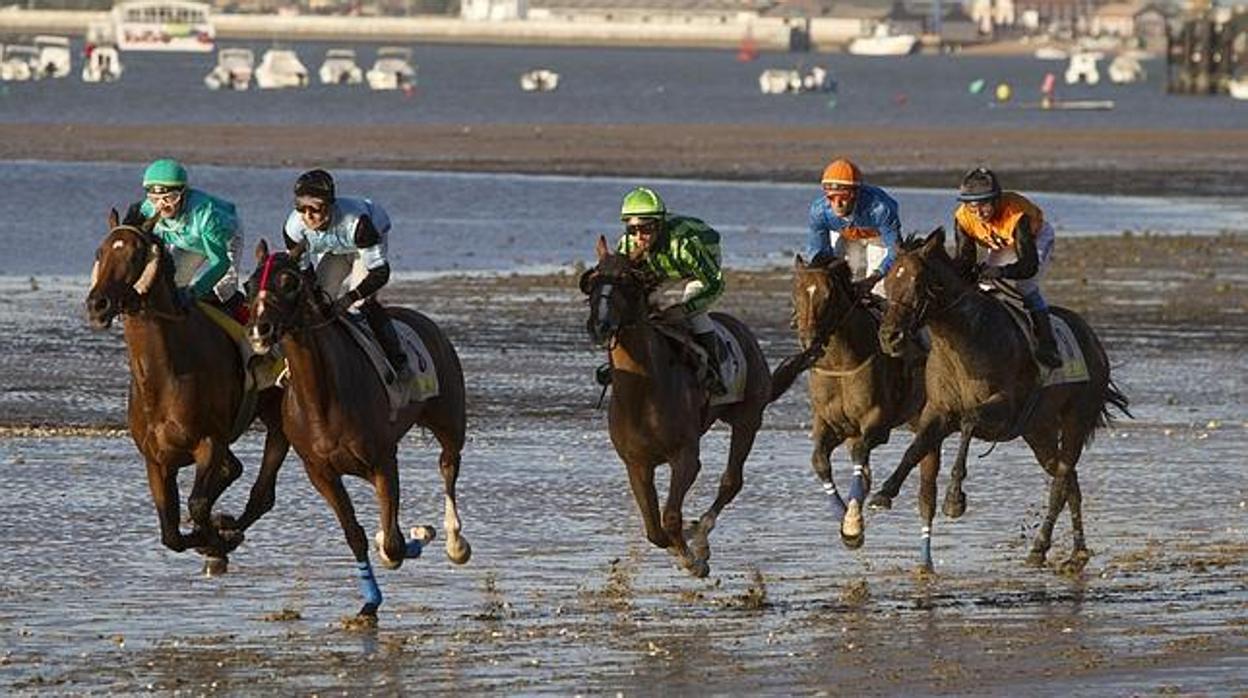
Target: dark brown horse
x=659, y=408
x=338, y=415
x=186, y=390
x=983, y=381
x=858, y=394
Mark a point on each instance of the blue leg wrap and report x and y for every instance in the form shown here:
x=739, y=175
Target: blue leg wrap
x=414, y=547
x=925, y=548
x=838, y=504
x=368, y=585
x=857, y=487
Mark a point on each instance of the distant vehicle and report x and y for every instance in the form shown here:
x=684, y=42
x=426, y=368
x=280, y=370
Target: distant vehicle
x=884, y=43
x=392, y=70
x=233, y=71
x=539, y=80
x=102, y=65
x=340, y=68
x=19, y=63
x=163, y=25
x=280, y=68
x=54, y=58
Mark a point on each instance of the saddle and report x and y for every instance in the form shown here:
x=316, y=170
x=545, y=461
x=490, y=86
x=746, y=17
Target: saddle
x=731, y=358
x=1074, y=368
x=425, y=384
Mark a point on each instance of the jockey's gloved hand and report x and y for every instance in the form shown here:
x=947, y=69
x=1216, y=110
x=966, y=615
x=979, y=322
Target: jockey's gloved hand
x=862, y=287
x=342, y=304
x=986, y=272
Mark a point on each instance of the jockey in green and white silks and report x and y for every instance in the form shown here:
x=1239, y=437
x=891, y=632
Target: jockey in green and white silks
x=683, y=252
x=204, y=234
x=346, y=240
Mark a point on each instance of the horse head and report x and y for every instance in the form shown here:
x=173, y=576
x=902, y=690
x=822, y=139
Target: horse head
x=923, y=273
x=617, y=288
x=128, y=264
x=823, y=296
x=280, y=292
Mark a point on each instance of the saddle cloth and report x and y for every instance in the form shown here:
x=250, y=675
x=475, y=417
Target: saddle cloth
x=732, y=365
x=1074, y=368
x=260, y=371
x=423, y=387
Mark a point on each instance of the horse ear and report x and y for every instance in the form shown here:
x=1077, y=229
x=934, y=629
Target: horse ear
x=601, y=248
x=113, y=219
x=262, y=250
x=148, y=225
x=935, y=240
x=296, y=252
x=798, y=262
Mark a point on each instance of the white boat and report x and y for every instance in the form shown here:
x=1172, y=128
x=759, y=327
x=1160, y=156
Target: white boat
x=340, y=68
x=883, y=43
x=539, y=80
x=280, y=68
x=163, y=25
x=1238, y=88
x=54, y=59
x=1125, y=69
x=392, y=70
x=778, y=81
x=1083, y=68
x=233, y=71
x=102, y=65
x=19, y=63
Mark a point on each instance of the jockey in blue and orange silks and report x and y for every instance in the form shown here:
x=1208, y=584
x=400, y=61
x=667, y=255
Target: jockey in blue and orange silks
x=856, y=222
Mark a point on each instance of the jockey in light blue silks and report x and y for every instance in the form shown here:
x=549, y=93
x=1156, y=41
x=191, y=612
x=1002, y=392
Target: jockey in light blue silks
x=856, y=222
x=346, y=243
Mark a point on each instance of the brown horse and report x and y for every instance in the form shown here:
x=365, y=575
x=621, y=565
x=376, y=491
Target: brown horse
x=338, y=414
x=983, y=381
x=659, y=408
x=857, y=393
x=186, y=390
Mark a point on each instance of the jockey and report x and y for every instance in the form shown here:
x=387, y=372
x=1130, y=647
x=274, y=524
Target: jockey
x=203, y=233
x=346, y=242
x=1019, y=243
x=678, y=250
x=857, y=222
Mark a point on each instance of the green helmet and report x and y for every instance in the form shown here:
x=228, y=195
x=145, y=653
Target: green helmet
x=642, y=202
x=165, y=172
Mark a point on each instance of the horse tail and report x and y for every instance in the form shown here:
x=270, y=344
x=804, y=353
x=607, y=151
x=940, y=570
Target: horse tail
x=1098, y=363
x=786, y=373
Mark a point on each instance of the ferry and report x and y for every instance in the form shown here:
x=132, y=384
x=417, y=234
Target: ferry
x=163, y=25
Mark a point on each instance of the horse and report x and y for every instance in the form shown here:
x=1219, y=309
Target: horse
x=857, y=393
x=983, y=381
x=186, y=391
x=337, y=412
x=659, y=408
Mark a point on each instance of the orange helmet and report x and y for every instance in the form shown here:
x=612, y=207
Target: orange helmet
x=842, y=173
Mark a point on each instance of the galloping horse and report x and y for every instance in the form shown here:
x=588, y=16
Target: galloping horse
x=186, y=391
x=857, y=393
x=982, y=381
x=659, y=409
x=337, y=412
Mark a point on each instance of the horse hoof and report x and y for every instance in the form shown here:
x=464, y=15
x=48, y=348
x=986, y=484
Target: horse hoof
x=879, y=501
x=1075, y=564
x=1035, y=559
x=386, y=562
x=699, y=568
x=216, y=566
x=924, y=571
x=458, y=550
x=955, y=505
x=853, y=542
x=424, y=534
x=224, y=522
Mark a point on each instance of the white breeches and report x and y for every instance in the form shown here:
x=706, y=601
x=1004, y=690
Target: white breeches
x=1044, y=249
x=864, y=258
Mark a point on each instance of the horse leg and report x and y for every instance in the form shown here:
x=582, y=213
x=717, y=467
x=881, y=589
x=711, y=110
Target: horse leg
x=932, y=430
x=729, y=486
x=260, y=500
x=955, y=498
x=330, y=486
x=853, y=528
x=457, y=547
x=1044, y=445
x=641, y=480
x=826, y=440
x=685, y=467
x=215, y=469
x=163, y=483
x=928, y=470
x=391, y=546
x=1072, y=449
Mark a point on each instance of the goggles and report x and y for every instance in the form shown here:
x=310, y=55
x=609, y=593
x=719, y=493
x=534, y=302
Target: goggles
x=311, y=208
x=645, y=225
x=160, y=194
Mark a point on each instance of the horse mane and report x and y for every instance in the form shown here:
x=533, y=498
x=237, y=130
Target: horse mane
x=912, y=242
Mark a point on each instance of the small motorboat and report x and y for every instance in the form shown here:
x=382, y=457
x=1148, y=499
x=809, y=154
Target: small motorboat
x=54, y=58
x=340, y=68
x=1083, y=68
x=884, y=43
x=392, y=70
x=1125, y=69
x=776, y=81
x=280, y=68
x=233, y=70
x=539, y=80
x=103, y=64
x=19, y=63
x=1238, y=87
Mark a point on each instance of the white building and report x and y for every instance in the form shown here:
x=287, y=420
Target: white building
x=494, y=10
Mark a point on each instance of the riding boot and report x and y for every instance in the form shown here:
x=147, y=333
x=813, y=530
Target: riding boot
x=709, y=342
x=1046, y=349
x=388, y=339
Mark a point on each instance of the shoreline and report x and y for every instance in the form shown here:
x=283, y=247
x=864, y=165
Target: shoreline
x=1107, y=161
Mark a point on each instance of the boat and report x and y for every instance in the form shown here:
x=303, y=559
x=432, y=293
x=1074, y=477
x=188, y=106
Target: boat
x=233, y=71
x=1083, y=68
x=340, y=68
x=54, y=59
x=539, y=80
x=280, y=68
x=392, y=70
x=1238, y=87
x=163, y=25
x=883, y=43
x=1125, y=69
x=779, y=81
x=103, y=64
x=19, y=62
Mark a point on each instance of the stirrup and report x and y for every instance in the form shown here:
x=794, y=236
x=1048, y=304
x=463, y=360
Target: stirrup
x=602, y=374
x=1051, y=360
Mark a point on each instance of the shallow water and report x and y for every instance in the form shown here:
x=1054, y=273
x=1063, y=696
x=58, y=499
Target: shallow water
x=564, y=595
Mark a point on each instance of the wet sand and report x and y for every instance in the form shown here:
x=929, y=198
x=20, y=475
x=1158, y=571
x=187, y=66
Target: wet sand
x=563, y=593
x=1120, y=161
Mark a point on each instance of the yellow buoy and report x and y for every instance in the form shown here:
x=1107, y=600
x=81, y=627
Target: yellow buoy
x=1003, y=92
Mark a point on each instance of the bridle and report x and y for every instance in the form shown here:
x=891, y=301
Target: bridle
x=286, y=302
x=135, y=300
